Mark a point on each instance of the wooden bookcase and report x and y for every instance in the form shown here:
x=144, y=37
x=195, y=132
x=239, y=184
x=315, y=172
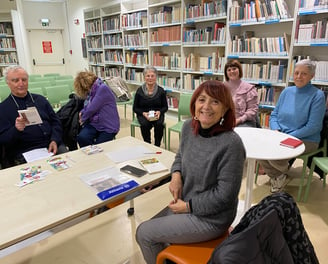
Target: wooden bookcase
x=8, y=53
x=189, y=41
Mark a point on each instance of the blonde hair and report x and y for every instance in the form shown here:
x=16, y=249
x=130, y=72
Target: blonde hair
x=83, y=83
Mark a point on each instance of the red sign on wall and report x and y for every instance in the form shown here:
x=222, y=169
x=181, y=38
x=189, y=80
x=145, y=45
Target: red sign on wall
x=47, y=47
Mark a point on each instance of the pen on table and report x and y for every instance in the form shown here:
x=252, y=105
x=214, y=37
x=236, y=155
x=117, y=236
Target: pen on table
x=157, y=152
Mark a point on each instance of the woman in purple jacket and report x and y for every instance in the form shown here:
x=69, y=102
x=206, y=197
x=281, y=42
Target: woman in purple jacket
x=99, y=117
x=244, y=95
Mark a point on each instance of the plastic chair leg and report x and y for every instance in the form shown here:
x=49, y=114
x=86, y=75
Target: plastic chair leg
x=302, y=180
x=307, y=190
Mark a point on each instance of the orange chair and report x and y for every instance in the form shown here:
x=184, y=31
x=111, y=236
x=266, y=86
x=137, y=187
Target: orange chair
x=194, y=253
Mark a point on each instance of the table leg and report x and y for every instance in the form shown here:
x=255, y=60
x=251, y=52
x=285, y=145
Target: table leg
x=249, y=183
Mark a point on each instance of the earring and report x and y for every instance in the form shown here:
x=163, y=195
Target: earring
x=195, y=117
x=221, y=121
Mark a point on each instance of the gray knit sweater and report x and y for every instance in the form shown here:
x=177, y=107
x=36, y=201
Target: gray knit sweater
x=211, y=170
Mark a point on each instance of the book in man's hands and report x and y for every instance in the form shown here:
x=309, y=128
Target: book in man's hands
x=153, y=165
x=31, y=116
x=291, y=142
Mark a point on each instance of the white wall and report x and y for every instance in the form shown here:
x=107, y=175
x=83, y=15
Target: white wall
x=61, y=15
x=75, y=11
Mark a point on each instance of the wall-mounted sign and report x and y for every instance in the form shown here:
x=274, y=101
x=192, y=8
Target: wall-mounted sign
x=47, y=47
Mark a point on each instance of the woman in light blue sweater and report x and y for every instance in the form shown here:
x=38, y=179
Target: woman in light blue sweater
x=206, y=176
x=299, y=112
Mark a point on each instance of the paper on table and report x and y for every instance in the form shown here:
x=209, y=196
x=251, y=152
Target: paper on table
x=37, y=154
x=130, y=153
x=108, y=182
x=31, y=116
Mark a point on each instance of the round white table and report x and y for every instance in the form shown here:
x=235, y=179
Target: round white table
x=263, y=144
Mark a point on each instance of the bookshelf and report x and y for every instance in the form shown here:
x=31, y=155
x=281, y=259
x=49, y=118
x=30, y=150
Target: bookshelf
x=189, y=41
x=8, y=53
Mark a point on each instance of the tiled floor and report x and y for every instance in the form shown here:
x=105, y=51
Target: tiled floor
x=314, y=212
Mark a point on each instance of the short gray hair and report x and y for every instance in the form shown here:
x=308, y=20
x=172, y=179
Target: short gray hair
x=11, y=69
x=308, y=63
x=149, y=68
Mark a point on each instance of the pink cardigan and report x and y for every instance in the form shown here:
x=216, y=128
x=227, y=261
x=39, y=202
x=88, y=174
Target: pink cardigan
x=244, y=96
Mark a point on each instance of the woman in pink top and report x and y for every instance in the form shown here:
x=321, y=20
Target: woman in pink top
x=243, y=94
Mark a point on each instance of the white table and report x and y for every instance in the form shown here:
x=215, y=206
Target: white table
x=263, y=144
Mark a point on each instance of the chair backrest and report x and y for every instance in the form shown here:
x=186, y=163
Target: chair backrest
x=184, y=105
x=34, y=77
x=58, y=93
x=68, y=82
x=64, y=77
x=4, y=91
x=36, y=90
x=51, y=74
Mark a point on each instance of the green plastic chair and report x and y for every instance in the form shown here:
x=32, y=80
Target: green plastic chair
x=36, y=90
x=305, y=158
x=34, y=77
x=322, y=163
x=51, y=75
x=58, y=95
x=68, y=82
x=183, y=112
x=40, y=84
x=4, y=91
x=64, y=77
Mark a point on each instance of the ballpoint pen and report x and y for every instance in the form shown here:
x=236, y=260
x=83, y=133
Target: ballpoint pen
x=157, y=152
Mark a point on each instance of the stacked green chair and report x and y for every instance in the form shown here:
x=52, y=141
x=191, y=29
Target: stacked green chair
x=4, y=91
x=58, y=95
x=51, y=75
x=64, y=77
x=183, y=113
x=36, y=90
x=34, y=77
x=322, y=163
x=40, y=84
x=68, y=82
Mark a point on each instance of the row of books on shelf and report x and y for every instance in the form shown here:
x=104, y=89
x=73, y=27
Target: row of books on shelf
x=114, y=56
x=136, y=57
x=213, y=63
x=169, y=82
x=313, y=4
x=270, y=71
x=257, y=11
x=114, y=71
x=138, y=39
x=113, y=40
x=135, y=75
x=94, y=43
x=93, y=26
x=321, y=71
x=205, y=35
x=205, y=9
x=166, y=61
x=99, y=71
x=191, y=82
x=166, y=15
x=136, y=19
x=166, y=34
x=8, y=58
x=257, y=46
x=264, y=117
x=267, y=95
x=6, y=28
x=96, y=57
x=172, y=101
x=311, y=32
x=112, y=23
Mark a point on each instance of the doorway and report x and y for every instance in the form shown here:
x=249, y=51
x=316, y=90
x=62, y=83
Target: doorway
x=47, y=51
